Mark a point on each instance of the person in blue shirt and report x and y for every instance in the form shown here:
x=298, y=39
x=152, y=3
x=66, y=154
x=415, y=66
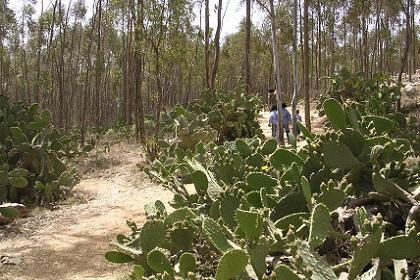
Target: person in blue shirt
x=273, y=120
x=287, y=120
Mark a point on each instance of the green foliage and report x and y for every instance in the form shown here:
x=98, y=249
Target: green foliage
x=231, y=264
x=32, y=155
x=338, y=203
x=320, y=225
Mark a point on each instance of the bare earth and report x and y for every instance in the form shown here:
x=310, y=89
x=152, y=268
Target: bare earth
x=69, y=243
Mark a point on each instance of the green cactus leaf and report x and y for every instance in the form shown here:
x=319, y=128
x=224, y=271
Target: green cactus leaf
x=251, y=223
x=264, y=198
x=256, y=160
x=179, y=215
x=216, y=236
x=305, y=131
x=364, y=253
x=9, y=212
x=254, y=199
x=45, y=117
x=354, y=140
x=284, y=272
x=243, y=148
x=381, y=124
x=320, y=225
x=321, y=270
x=335, y=113
x=399, y=248
x=18, y=136
x=293, y=202
x=214, y=189
x=269, y=147
x=155, y=209
x=385, y=185
x=118, y=257
x=228, y=206
x=137, y=273
x=332, y=198
x=159, y=262
x=306, y=189
x=187, y=263
x=18, y=182
x=182, y=238
x=152, y=234
x=19, y=172
x=258, y=180
x=66, y=179
x=337, y=155
x=359, y=218
x=200, y=181
x=4, y=176
x=258, y=253
x=295, y=219
x=231, y=264
x=284, y=158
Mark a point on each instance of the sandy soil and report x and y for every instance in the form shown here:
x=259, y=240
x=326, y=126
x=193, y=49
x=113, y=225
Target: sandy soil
x=69, y=243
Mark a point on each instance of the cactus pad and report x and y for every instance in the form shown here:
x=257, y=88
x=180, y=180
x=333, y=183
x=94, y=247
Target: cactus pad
x=152, y=235
x=159, y=262
x=399, y=248
x=284, y=272
x=258, y=180
x=216, y=236
x=187, y=263
x=269, y=147
x=283, y=158
x=320, y=225
x=251, y=223
x=232, y=264
x=335, y=113
x=337, y=155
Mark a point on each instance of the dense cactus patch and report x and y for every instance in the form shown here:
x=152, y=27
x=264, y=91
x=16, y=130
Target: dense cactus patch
x=345, y=205
x=32, y=156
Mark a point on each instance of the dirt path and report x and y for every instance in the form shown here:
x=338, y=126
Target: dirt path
x=69, y=243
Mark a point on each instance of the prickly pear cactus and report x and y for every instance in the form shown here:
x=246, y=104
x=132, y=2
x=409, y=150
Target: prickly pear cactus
x=159, y=262
x=337, y=155
x=152, y=234
x=216, y=236
x=251, y=223
x=364, y=252
x=399, y=248
x=283, y=158
x=320, y=225
x=335, y=113
x=232, y=264
x=284, y=272
x=187, y=263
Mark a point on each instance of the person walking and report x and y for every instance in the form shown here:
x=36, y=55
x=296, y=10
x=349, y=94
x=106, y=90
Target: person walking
x=273, y=120
x=286, y=120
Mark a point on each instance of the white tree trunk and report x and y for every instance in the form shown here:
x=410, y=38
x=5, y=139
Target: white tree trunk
x=277, y=70
x=295, y=70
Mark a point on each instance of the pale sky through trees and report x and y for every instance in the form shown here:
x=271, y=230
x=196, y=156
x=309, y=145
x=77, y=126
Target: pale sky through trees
x=234, y=14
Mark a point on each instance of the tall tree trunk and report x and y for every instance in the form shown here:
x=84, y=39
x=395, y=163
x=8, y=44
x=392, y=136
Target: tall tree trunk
x=277, y=70
x=207, y=42
x=306, y=64
x=138, y=61
x=216, y=47
x=248, y=86
x=98, y=68
x=295, y=68
x=404, y=57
